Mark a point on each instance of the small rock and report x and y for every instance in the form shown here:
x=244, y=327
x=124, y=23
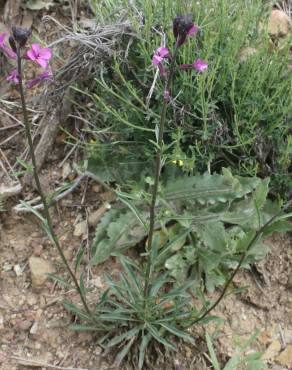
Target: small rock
x=39, y=269
x=246, y=53
x=290, y=275
x=80, y=228
x=7, y=266
x=279, y=23
x=285, y=358
x=18, y=270
x=108, y=196
x=23, y=324
x=66, y=170
x=37, y=250
x=34, y=328
x=1, y=322
x=97, y=282
x=272, y=351
x=31, y=299
x=94, y=217
x=95, y=188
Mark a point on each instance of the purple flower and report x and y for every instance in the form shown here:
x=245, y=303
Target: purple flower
x=47, y=75
x=159, y=55
x=13, y=77
x=157, y=59
x=199, y=65
x=193, y=30
x=5, y=48
x=39, y=55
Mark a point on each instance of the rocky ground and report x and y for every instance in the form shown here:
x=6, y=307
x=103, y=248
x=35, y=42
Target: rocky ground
x=34, y=326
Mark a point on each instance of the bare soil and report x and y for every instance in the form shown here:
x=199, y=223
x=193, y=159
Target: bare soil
x=35, y=327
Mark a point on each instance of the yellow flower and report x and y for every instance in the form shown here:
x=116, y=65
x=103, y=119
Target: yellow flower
x=177, y=162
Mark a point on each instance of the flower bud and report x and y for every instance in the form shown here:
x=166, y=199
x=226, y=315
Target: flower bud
x=12, y=44
x=21, y=35
x=182, y=24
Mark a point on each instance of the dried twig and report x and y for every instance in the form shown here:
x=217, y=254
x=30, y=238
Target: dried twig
x=92, y=48
x=20, y=208
x=36, y=363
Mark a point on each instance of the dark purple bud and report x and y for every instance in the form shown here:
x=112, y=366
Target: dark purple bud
x=182, y=24
x=12, y=44
x=21, y=35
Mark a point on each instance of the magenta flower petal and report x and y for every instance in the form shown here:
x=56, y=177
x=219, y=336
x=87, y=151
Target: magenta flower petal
x=162, y=70
x=156, y=60
x=186, y=66
x=200, y=65
x=45, y=53
x=5, y=48
x=193, y=30
x=47, y=75
x=42, y=62
x=13, y=77
x=8, y=51
x=39, y=55
x=36, y=48
x=31, y=54
x=162, y=52
x=3, y=37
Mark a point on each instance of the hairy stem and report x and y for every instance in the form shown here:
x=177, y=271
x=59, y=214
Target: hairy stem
x=39, y=187
x=159, y=152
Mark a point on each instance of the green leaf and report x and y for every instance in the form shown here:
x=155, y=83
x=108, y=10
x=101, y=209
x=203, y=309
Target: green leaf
x=123, y=353
x=127, y=335
x=38, y=4
x=178, y=333
x=142, y=349
x=280, y=226
x=210, y=188
x=79, y=257
x=116, y=231
x=213, y=356
x=213, y=235
x=158, y=336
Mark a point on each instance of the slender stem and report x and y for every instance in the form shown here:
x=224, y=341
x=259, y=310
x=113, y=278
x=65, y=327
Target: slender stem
x=242, y=258
x=39, y=187
x=157, y=174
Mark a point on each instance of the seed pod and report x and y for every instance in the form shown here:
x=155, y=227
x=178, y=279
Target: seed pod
x=12, y=44
x=21, y=35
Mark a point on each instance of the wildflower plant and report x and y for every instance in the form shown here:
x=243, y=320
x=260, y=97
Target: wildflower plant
x=146, y=306
x=19, y=52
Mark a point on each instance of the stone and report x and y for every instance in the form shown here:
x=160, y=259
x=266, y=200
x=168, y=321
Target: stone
x=279, y=23
x=285, y=357
x=246, y=53
x=94, y=217
x=272, y=351
x=34, y=328
x=18, y=270
x=39, y=269
x=66, y=170
x=80, y=228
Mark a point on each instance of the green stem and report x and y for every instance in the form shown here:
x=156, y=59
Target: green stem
x=149, y=265
x=39, y=187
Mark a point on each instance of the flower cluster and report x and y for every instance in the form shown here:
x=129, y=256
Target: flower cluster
x=36, y=54
x=183, y=27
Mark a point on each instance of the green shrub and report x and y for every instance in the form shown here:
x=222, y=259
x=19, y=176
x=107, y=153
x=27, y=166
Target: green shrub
x=238, y=114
